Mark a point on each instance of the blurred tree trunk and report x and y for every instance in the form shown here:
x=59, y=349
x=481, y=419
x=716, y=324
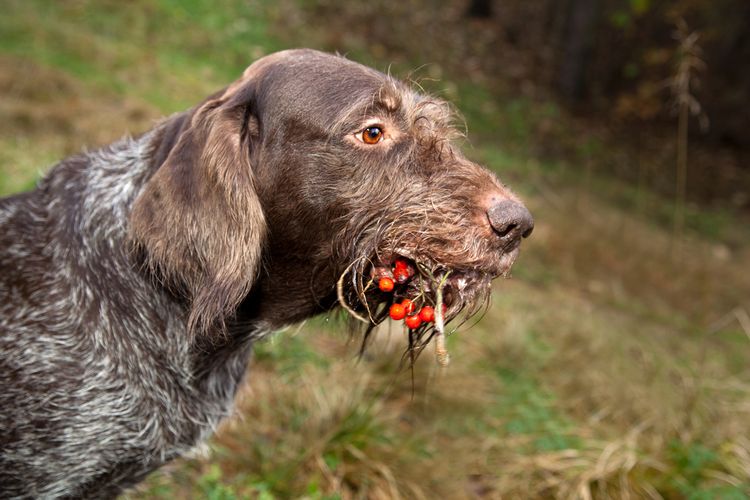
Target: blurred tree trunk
x=480, y=9
x=576, y=46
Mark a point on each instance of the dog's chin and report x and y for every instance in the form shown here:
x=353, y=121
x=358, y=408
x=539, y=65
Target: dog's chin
x=459, y=288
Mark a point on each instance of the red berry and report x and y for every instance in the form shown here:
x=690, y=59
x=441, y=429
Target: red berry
x=408, y=306
x=401, y=264
x=413, y=321
x=427, y=314
x=397, y=312
x=385, y=284
x=401, y=275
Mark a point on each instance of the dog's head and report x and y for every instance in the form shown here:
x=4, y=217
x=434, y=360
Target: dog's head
x=312, y=171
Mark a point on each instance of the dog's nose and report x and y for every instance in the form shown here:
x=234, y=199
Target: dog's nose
x=510, y=220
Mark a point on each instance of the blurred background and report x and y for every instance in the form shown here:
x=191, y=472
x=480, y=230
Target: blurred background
x=616, y=361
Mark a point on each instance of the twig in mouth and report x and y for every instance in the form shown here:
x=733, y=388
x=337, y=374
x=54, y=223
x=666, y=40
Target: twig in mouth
x=342, y=300
x=443, y=357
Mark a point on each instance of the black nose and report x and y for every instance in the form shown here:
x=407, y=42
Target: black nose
x=510, y=220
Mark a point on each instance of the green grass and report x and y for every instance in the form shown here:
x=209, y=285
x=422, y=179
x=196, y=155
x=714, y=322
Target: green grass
x=179, y=48
x=597, y=370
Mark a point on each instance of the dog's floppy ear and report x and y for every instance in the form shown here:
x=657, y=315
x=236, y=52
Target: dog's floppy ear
x=198, y=220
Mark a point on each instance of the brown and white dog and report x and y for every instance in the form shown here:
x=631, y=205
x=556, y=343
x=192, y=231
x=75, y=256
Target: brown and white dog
x=134, y=279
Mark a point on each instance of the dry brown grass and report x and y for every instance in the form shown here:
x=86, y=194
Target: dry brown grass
x=46, y=115
x=38, y=102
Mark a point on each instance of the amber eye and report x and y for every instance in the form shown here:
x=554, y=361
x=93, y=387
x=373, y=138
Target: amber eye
x=372, y=135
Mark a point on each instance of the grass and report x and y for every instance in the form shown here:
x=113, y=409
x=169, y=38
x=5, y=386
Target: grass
x=599, y=371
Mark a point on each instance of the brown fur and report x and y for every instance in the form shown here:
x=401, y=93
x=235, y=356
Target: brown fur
x=135, y=279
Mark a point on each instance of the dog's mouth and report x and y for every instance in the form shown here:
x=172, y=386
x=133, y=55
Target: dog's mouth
x=419, y=292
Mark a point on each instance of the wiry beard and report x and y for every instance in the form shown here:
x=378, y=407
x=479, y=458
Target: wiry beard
x=452, y=294
x=452, y=261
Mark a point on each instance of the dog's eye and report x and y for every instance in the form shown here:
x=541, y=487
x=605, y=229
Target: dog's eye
x=371, y=135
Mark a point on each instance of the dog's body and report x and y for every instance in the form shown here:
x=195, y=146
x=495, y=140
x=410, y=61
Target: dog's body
x=134, y=279
x=99, y=385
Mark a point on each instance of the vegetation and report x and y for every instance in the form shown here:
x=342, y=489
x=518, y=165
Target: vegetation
x=614, y=364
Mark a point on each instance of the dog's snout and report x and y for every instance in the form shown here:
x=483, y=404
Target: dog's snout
x=510, y=220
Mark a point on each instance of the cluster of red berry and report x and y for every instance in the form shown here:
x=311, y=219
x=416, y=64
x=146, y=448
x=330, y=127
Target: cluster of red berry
x=405, y=310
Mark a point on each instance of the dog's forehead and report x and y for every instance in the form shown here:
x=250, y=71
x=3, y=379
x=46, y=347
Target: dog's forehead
x=324, y=87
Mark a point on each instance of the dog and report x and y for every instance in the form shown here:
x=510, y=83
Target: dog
x=135, y=279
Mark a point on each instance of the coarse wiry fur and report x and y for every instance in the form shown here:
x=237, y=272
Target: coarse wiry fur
x=134, y=279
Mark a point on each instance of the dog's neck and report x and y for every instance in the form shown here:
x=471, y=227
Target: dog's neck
x=113, y=177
